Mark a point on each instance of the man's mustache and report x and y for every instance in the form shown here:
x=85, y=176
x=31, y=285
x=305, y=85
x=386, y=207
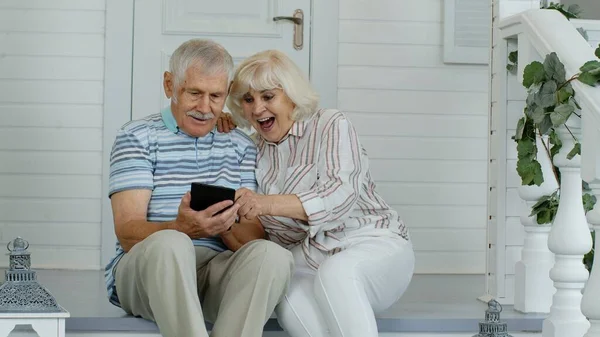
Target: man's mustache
x=200, y=115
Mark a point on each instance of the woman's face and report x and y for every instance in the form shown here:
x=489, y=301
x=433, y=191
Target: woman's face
x=269, y=112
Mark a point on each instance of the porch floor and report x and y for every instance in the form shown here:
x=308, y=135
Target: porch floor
x=432, y=303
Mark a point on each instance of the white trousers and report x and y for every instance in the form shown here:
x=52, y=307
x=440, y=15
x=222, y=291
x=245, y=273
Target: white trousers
x=341, y=298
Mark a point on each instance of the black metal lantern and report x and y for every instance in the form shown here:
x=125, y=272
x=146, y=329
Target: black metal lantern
x=492, y=326
x=21, y=292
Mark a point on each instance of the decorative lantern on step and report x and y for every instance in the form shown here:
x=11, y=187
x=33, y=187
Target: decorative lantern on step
x=492, y=326
x=24, y=301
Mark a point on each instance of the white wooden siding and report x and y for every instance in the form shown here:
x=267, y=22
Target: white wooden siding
x=424, y=125
x=392, y=82
x=51, y=88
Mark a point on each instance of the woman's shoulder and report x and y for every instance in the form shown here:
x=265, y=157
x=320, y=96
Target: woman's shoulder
x=330, y=118
x=327, y=114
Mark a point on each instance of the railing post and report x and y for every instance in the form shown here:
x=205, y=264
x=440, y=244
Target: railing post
x=590, y=304
x=569, y=240
x=533, y=286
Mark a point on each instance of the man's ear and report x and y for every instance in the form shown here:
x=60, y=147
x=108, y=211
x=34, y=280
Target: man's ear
x=168, y=84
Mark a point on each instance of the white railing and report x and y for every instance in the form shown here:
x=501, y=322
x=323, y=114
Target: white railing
x=539, y=33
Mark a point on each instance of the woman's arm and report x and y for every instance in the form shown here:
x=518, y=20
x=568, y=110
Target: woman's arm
x=341, y=173
x=242, y=233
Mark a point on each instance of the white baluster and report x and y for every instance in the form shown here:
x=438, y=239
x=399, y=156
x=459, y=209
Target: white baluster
x=569, y=241
x=590, y=305
x=533, y=286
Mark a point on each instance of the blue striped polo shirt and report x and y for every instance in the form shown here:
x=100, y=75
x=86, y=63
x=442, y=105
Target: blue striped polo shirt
x=154, y=154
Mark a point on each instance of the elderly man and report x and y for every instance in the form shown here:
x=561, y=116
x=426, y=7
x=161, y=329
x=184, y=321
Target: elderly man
x=173, y=265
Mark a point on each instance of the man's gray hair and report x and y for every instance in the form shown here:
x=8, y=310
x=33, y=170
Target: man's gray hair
x=210, y=57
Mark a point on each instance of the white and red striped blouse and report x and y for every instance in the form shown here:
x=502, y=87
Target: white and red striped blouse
x=322, y=162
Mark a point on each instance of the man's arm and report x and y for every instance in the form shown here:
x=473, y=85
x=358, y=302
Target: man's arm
x=129, y=215
x=242, y=233
x=131, y=225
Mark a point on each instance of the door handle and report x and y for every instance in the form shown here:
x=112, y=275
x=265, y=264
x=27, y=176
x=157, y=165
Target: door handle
x=294, y=19
x=298, y=20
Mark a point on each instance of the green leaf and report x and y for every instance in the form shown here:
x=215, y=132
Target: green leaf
x=589, y=201
x=575, y=151
x=589, y=66
x=595, y=72
x=538, y=115
x=565, y=93
x=588, y=259
x=598, y=51
x=513, y=56
x=574, y=9
x=573, y=102
x=545, y=208
x=520, y=129
x=512, y=68
x=544, y=217
x=554, y=68
x=588, y=79
x=547, y=96
x=583, y=33
x=545, y=126
x=533, y=73
x=560, y=114
x=526, y=149
x=556, y=143
x=530, y=172
x=585, y=186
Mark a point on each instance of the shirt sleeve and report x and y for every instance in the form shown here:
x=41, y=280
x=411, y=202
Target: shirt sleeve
x=248, y=155
x=130, y=164
x=340, y=171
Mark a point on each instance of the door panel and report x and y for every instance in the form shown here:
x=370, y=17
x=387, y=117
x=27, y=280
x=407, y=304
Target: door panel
x=243, y=27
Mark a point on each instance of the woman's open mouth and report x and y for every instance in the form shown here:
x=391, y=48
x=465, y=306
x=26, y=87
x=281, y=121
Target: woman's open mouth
x=266, y=123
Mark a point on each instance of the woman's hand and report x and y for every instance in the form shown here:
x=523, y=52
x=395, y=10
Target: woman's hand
x=251, y=204
x=225, y=123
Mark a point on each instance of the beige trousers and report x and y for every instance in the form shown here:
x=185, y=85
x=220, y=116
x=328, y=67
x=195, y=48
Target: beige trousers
x=165, y=279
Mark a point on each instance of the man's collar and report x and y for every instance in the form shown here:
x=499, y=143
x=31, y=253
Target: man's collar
x=169, y=120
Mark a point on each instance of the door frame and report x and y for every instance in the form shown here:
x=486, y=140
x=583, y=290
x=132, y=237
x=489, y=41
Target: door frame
x=118, y=72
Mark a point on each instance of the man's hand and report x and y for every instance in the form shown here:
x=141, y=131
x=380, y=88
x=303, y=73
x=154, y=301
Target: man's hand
x=204, y=223
x=251, y=204
x=225, y=123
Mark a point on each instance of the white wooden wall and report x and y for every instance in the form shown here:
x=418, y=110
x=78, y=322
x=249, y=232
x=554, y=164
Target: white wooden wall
x=51, y=86
x=423, y=123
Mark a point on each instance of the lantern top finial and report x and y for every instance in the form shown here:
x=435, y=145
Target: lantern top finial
x=494, y=306
x=19, y=246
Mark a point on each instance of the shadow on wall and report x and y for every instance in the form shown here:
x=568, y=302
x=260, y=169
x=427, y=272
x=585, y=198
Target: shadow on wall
x=591, y=8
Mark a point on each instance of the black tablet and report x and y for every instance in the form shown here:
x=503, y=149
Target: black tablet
x=204, y=195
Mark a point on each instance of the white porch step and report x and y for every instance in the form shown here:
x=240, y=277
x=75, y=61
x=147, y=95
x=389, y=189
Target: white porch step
x=433, y=305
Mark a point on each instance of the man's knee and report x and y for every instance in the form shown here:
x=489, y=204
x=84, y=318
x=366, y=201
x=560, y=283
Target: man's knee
x=274, y=259
x=168, y=243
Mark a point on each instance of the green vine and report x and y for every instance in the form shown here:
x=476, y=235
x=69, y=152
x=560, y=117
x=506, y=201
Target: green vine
x=550, y=103
x=571, y=12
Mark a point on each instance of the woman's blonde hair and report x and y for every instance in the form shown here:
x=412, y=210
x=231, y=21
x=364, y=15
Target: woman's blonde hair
x=267, y=70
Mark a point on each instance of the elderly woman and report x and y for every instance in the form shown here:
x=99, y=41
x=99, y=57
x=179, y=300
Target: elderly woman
x=352, y=252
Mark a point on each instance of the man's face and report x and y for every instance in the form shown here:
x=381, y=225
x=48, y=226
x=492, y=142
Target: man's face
x=200, y=100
